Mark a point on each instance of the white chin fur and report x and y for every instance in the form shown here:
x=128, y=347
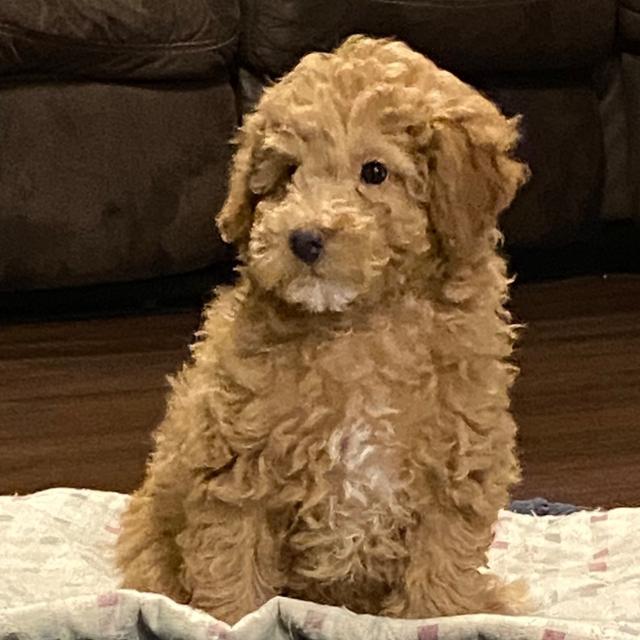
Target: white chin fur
x=319, y=295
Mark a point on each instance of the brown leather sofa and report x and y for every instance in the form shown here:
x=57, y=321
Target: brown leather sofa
x=115, y=117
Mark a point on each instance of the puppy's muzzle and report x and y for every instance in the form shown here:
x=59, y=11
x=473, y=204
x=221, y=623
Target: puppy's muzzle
x=306, y=244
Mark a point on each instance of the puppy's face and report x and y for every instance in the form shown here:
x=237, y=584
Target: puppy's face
x=333, y=213
x=363, y=171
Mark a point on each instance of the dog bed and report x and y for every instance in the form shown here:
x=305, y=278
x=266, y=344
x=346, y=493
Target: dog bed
x=57, y=580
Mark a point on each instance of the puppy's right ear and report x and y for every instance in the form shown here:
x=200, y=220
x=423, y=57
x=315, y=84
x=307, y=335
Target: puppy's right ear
x=236, y=216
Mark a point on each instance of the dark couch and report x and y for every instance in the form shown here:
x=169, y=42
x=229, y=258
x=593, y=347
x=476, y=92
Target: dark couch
x=116, y=115
x=114, y=118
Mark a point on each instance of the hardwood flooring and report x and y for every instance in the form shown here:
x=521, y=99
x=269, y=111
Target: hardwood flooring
x=79, y=399
x=578, y=397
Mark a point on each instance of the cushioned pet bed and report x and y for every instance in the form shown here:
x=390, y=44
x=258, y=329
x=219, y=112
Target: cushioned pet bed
x=57, y=580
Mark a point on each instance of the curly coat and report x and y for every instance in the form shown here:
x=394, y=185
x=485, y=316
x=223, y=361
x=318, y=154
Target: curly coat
x=342, y=432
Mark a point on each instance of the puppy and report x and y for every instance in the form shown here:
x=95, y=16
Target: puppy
x=342, y=432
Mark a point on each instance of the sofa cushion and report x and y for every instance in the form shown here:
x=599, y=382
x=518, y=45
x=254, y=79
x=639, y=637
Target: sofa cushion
x=629, y=18
x=561, y=141
x=116, y=39
x=110, y=182
x=471, y=36
x=629, y=30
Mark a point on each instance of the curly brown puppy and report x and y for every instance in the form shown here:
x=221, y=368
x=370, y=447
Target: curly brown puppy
x=342, y=433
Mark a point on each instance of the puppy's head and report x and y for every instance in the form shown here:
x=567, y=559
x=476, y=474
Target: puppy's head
x=364, y=170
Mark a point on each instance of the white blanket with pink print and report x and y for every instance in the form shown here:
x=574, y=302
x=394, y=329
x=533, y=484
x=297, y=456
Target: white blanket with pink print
x=57, y=580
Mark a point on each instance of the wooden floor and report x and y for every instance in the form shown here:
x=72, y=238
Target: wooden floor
x=79, y=399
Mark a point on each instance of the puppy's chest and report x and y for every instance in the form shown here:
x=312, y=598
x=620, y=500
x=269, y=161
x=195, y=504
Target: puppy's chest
x=383, y=381
x=357, y=402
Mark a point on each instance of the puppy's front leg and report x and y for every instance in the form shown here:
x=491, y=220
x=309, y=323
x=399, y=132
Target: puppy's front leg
x=230, y=558
x=442, y=577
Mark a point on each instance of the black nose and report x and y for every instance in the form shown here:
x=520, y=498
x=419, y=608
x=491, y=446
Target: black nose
x=307, y=245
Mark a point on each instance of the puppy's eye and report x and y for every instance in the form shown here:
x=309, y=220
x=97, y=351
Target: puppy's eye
x=373, y=172
x=290, y=171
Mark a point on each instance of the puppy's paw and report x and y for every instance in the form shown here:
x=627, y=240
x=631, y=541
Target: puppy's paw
x=509, y=598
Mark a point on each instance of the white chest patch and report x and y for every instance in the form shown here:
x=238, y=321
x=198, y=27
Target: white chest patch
x=352, y=525
x=358, y=461
x=366, y=482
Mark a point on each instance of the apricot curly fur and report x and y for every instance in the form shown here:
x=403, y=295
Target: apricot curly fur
x=342, y=431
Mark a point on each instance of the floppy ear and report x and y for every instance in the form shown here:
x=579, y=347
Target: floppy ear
x=236, y=216
x=472, y=177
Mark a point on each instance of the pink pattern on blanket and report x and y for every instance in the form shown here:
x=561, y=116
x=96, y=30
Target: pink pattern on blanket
x=313, y=621
x=600, y=517
x=108, y=599
x=218, y=631
x=500, y=544
x=428, y=632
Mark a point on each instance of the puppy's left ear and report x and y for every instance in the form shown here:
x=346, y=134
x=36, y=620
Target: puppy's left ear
x=236, y=216
x=473, y=176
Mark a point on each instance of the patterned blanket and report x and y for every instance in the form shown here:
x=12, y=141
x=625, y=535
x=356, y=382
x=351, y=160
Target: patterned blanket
x=57, y=580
